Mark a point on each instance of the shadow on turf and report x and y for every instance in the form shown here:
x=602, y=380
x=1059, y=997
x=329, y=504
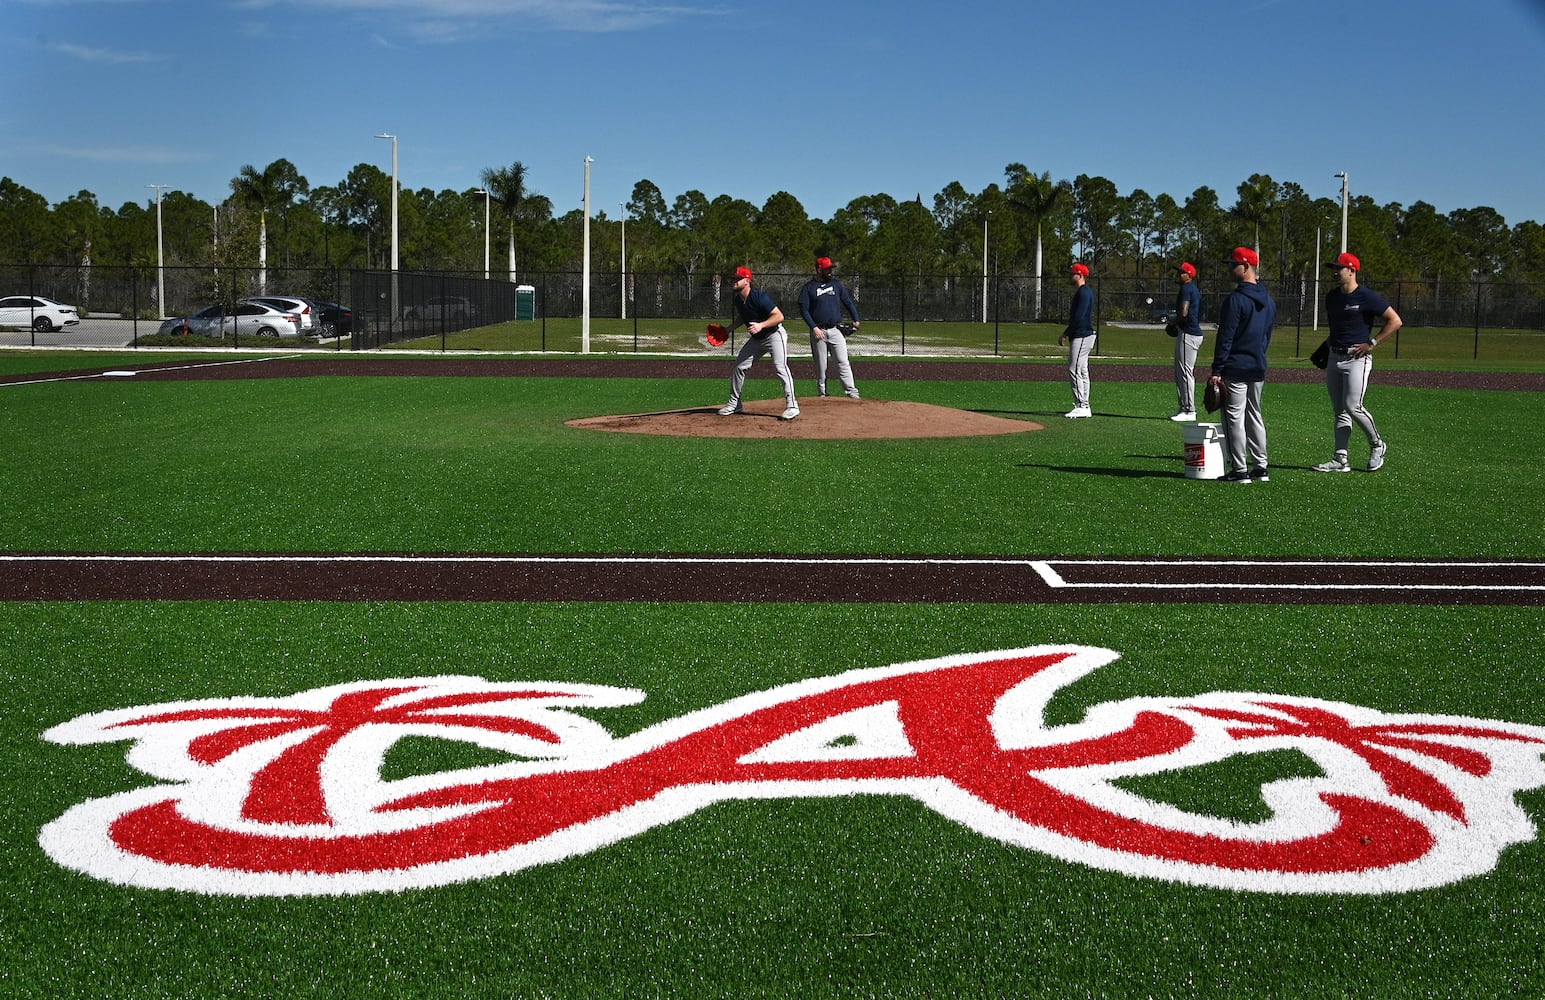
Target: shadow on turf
x=1121, y=473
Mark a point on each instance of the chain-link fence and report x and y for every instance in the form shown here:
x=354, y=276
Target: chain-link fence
x=383, y=308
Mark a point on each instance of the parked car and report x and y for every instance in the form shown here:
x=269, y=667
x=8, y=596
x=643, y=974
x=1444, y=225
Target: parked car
x=247, y=319
x=1158, y=312
x=334, y=320
x=34, y=312
x=447, y=308
x=304, y=308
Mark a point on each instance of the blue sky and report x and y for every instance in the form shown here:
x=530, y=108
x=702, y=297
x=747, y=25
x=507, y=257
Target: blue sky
x=1415, y=99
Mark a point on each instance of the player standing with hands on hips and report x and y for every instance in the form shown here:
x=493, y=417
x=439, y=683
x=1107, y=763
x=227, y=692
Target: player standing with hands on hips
x=1188, y=340
x=1353, y=310
x=1079, y=339
x=1239, y=367
x=763, y=320
x=821, y=303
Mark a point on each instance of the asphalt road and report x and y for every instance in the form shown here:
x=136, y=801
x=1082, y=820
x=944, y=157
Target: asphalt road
x=89, y=332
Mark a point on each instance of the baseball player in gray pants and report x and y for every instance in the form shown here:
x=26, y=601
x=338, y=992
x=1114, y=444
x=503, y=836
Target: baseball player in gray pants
x=764, y=322
x=1353, y=310
x=821, y=302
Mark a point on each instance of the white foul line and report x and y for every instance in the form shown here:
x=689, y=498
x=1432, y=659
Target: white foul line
x=1056, y=581
x=170, y=368
x=1042, y=567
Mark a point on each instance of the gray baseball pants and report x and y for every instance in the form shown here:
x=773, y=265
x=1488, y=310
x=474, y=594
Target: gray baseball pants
x=1244, y=428
x=774, y=342
x=1186, y=347
x=1079, y=349
x=1347, y=379
x=832, y=342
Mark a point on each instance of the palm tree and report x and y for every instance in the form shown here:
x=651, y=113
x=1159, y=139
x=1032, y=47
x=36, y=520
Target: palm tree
x=507, y=186
x=1037, y=196
x=1257, y=200
x=274, y=188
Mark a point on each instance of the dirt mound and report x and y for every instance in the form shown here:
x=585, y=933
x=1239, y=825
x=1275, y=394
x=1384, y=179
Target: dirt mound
x=831, y=418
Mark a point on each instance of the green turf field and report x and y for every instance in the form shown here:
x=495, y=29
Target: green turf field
x=803, y=896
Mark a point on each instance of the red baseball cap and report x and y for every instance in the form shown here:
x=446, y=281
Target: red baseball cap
x=1082, y=269
x=741, y=272
x=823, y=263
x=1187, y=268
x=1243, y=255
x=1347, y=260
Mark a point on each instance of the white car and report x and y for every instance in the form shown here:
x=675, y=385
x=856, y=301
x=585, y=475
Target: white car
x=304, y=308
x=34, y=312
x=247, y=319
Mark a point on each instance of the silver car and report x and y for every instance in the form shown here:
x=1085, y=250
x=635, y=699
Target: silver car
x=247, y=319
x=304, y=308
x=34, y=312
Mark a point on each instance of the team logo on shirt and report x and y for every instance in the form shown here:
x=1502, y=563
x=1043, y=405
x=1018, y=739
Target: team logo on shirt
x=298, y=795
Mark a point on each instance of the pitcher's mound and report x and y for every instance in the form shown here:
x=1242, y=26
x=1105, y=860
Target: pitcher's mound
x=831, y=418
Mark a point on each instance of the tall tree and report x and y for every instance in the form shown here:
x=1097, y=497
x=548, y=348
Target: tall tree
x=790, y=239
x=1257, y=200
x=273, y=189
x=507, y=186
x=1038, y=197
x=24, y=222
x=1097, y=205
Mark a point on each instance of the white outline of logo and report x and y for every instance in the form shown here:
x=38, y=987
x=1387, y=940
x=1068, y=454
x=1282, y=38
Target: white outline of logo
x=284, y=796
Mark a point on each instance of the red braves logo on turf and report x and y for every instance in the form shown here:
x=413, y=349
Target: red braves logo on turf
x=285, y=796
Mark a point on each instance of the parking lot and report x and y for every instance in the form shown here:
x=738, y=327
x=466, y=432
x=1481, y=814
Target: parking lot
x=91, y=331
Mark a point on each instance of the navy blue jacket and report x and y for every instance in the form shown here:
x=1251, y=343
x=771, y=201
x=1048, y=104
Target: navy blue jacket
x=1191, y=322
x=821, y=303
x=1244, y=332
x=1081, y=314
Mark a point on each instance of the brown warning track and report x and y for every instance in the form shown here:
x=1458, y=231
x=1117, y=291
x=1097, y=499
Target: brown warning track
x=789, y=578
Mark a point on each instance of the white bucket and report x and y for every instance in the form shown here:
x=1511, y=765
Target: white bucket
x=1204, y=450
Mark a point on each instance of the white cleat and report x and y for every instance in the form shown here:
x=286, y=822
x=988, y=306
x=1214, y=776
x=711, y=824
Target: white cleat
x=1376, y=457
x=1184, y=416
x=729, y=409
x=790, y=413
x=1079, y=412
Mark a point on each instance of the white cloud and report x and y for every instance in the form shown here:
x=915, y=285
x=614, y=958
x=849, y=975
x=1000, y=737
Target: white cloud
x=88, y=54
x=562, y=15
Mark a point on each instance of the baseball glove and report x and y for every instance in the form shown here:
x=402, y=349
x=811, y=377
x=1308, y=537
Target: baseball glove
x=1212, y=396
x=1171, y=329
x=1321, y=355
x=717, y=335
x=848, y=329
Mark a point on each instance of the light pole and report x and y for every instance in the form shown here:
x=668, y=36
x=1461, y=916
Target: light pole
x=388, y=135
x=1343, y=176
x=486, y=216
x=160, y=257
x=584, y=323
x=624, y=207
x=984, y=265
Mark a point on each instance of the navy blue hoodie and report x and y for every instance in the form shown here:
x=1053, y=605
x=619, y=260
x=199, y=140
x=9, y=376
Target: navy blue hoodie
x=1244, y=333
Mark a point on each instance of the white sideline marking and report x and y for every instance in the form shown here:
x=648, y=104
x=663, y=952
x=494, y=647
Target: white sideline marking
x=1056, y=581
x=1042, y=567
x=173, y=368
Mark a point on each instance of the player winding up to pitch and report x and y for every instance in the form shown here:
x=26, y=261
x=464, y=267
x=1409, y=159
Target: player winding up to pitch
x=821, y=303
x=1353, y=310
x=763, y=320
